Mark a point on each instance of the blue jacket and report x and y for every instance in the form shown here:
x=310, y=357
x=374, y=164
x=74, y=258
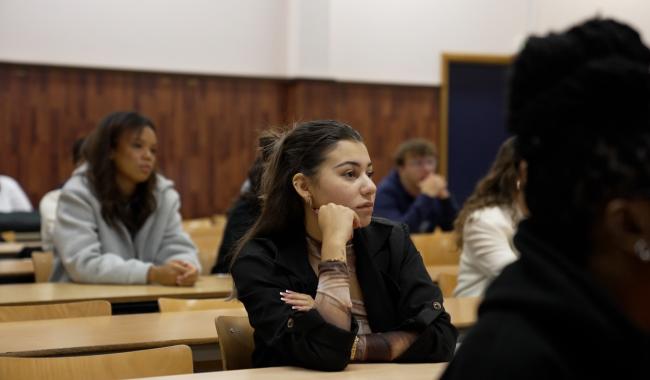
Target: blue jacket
x=422, y=213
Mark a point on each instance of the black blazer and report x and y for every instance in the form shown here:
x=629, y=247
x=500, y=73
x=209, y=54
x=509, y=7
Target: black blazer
x=397, y=292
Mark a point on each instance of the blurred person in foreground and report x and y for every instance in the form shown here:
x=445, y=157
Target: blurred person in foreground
x=576, y=305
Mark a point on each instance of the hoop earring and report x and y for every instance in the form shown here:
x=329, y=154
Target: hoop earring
x=642, y=250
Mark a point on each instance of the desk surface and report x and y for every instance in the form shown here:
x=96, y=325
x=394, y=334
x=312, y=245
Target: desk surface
x=48, y=292
x=374, y=371
x=139, y=331
x=10, y=249
x=16, y=267
x=74, y=336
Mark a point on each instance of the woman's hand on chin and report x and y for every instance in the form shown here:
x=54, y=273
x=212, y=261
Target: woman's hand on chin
x=337, y=224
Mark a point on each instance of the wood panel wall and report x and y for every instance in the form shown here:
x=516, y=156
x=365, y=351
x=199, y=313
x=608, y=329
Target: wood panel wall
x=207, y=125
x=385, y=115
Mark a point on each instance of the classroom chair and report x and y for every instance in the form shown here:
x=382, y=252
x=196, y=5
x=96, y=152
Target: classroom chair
x=206, y=233
x=8, y=236
x=179, y=304
x=438, y=248
x=463, y=311
x=235, y=342
x=43, y=265
x=55, y=311
x=191, y=224
x=447, y=283
x=219, y=218
x=174, y=360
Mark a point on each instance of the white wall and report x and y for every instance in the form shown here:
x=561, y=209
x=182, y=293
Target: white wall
x=309, y=39
x=401, y=41
x=388, y=41
x=244, y=37
x=559, y=14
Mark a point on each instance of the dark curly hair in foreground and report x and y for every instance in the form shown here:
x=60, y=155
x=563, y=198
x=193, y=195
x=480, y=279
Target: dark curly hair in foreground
x=579, y=104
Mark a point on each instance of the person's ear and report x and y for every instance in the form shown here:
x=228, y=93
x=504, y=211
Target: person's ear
x=301, y=185
x=628, y=224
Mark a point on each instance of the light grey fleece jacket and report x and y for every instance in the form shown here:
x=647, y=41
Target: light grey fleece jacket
x=88, y=250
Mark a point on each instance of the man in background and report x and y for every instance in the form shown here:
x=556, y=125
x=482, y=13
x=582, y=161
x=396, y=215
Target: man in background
x=413, y=193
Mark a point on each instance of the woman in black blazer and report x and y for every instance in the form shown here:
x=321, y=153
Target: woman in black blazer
x=323, y=282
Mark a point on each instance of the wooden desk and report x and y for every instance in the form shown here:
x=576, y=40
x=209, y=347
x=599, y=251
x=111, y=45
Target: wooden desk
x=48, y=292
x=12, y=250
x=139, y=331
x=72, y=336
x=374, y=371
x=435, y=271
x=16, y=268
x=28, y=237
x=463, y=310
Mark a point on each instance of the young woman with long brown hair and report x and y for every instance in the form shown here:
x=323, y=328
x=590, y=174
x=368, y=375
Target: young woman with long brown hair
x=323, y=282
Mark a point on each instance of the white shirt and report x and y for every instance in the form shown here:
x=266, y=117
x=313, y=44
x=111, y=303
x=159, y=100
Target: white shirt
x=487, y=248
x=12, y=197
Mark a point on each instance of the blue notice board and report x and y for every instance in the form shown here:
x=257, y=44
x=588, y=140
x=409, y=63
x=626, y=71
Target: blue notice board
x=476, y=118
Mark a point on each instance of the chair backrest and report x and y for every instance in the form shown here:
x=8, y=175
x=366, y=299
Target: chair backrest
x=219, y=219
x=438, y=248
x=174, y=360
x=8, y=236
x=43, y=264
x=447, y=283
x=206, y=233
x=191, y=224
x=463, y=310
x=179, y=304
x=55, y=311
x=235, y=342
